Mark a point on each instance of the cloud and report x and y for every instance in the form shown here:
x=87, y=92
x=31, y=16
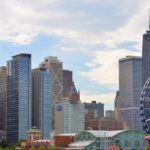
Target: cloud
x=90, y=27
x=107, y=99
x=78, y=22
x=104, y=67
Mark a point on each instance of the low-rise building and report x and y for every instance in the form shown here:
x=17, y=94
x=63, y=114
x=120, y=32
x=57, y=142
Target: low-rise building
x=33, y=135
x=63, y=140
x=104, y=124
x=101, y=140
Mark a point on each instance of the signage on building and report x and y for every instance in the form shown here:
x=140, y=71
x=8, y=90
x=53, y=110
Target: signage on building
x=59, y=108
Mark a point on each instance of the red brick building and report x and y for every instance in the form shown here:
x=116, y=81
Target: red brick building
x=63, y=140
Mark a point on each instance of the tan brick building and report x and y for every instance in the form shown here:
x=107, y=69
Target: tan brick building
x=104, y=124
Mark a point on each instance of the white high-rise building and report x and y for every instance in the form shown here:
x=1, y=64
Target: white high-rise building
x=69, y=117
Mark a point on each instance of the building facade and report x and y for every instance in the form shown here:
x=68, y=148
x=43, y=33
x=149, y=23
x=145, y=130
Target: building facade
x=18, y=97
x=130, y=85
x=73, y=94
x=67, y=82
x=69, y=117
x=145, y=57
x=116, y=104
x=3, y=98
x=110, y=114
x=146, y=72
x=94, y=110
x=41, y=101
x=33, y=135
x=3, y=136
x=55, y=67
x=101, y=140
x=104, y=124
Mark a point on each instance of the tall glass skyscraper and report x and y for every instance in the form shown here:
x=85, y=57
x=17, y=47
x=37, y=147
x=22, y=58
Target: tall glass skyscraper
x=146, y=71
x=55, y=68
x=130, y=86
x=146, y=57
x=18, y=97
x=41, y=101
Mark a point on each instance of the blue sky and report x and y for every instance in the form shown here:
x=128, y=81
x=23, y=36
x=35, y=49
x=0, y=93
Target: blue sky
x=89, y=36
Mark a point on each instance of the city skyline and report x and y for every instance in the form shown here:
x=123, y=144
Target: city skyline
x=54, y=28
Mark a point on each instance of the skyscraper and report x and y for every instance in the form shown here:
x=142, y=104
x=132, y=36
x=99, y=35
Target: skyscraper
x=18, y=97
x=67, y=82
x=41, y=101
x=55, y=67
x=3, y=98
x=146, y=57
x=130, y=85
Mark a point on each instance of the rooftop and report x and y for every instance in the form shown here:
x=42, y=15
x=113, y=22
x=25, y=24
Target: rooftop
x=105, y=133
x=22, y=54
x=81, y=144
x=130, y=58
x=67, y=134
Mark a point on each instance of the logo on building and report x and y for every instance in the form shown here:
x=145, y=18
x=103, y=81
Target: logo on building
x=59, y=108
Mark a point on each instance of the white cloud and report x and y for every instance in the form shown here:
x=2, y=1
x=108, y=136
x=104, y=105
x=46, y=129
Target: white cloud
x=92, y=27
x=106, y=71
x=104, y=98
x=76, y=22
x=107, y=99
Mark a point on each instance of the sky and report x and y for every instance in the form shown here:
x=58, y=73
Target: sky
x=88, y=36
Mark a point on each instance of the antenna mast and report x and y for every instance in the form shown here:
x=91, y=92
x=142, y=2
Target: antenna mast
x=149, y=18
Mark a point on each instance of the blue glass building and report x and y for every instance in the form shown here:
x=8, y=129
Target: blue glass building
x=41, y=101
x=18, y=97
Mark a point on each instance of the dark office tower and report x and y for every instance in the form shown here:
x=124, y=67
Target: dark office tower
x=3, y=97
x=18, y=97
x=55, y=68
x=67, y=82
x=146, y=57
x=41, y=101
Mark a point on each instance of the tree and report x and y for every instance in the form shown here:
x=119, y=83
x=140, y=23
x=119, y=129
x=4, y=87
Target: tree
x=4, y=143
x=20, y=141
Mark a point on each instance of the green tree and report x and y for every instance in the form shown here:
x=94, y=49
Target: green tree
x=20, y=141
x=4, y=143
